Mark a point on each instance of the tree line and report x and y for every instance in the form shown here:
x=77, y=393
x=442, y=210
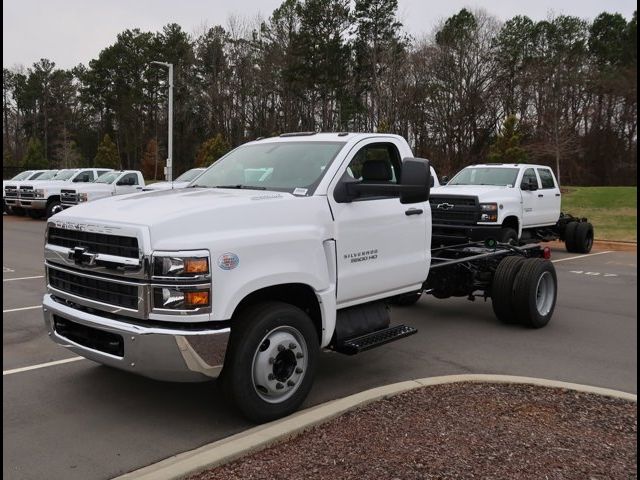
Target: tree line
x=566, y=87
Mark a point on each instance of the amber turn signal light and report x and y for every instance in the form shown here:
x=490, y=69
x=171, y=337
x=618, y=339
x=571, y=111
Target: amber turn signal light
x=196, y=265
x=198, y=298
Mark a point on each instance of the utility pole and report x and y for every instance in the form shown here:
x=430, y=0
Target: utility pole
x=169, y=168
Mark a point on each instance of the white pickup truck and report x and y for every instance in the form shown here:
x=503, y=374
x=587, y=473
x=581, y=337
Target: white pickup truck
x=509, y=202
x=116, y=182
x=249, y=277
x=42, y=197
x=10, y=188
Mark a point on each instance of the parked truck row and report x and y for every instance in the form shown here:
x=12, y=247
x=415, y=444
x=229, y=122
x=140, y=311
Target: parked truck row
x=285, y=247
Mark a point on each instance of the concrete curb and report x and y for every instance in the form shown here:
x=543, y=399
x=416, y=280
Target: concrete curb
x=254, y=439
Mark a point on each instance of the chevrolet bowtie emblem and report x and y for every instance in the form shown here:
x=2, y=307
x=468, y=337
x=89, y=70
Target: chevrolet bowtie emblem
x=80, y=256
x=445, y=206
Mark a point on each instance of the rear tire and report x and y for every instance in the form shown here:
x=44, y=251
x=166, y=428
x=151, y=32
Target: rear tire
x=535, y=292
x=406, y=299
x=508, y=235
x=271, y=361
x=569, y=236
x=583, y=238
x=502, y=288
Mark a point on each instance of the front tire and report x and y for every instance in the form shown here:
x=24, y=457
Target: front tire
x=53, y=206
x=509, y=236
x=583, y=238
x=535, y=292
x=271, y=360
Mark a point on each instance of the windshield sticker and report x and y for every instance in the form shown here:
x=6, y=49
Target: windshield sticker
x=300, y=191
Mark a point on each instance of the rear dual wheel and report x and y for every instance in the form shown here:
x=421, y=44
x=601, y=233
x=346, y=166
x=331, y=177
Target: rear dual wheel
x=578, y=237
x=524, y=291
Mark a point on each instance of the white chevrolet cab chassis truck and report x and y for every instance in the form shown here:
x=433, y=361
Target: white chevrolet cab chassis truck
x=284, y=247
x=516, y=203
x=42, y=197
x=117, y=182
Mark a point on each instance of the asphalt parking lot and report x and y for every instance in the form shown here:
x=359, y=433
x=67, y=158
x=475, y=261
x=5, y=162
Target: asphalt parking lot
x=79, y=420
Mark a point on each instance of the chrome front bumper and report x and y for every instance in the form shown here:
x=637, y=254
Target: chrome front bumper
x=33, y=203
x=161, y=353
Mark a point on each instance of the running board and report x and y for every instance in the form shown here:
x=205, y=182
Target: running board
x=375, y=339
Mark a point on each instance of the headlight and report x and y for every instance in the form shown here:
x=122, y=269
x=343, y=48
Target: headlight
x=39, y=193
x=83, y=197
x=489, y=207
x=181, y=298
x=489, y=212
x=181, y=265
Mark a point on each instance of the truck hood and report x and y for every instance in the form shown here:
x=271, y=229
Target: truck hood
x=188, y=217
x=47, y=183
x=91, y=187
x=480, y=191
x=165, y=185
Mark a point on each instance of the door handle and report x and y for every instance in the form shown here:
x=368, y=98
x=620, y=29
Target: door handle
x=540, y=195
x=413, y=211
x=557, y=194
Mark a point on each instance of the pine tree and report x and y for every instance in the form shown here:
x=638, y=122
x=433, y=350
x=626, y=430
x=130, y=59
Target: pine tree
x=506, y=148
x=34, y=158
x=211, y=150
x=107, y=156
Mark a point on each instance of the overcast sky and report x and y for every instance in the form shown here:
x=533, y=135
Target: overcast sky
x=74, y=31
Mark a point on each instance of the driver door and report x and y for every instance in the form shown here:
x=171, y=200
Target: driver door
x=127, y=184
x=382, y=245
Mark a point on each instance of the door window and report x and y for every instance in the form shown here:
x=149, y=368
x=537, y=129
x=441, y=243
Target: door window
x=546, y=177
x=129, y=179
x=376, y=163
x=529, y=173
x=84, y=176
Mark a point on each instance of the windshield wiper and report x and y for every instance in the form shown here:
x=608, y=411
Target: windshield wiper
x=198, y=186
x=241, y=187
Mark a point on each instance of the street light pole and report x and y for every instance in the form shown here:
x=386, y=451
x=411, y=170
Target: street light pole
x=169, y=167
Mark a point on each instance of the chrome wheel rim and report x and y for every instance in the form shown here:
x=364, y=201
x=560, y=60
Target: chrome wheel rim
x=545, y=293
x=56, y=209
x=279, y=364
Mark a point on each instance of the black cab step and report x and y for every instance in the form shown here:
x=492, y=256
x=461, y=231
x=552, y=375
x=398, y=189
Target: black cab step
x=375, y=339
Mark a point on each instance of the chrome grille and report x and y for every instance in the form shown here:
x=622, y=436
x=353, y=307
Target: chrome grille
x=69, y=196
x=26, y=192
x=96, y=289
x=450, y=210
x=117, y=245
x=11, y=192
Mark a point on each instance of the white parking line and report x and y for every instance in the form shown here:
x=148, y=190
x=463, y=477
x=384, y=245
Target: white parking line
x=41, y=365
x=21, y=309
x=20, y=278
x=581, y=256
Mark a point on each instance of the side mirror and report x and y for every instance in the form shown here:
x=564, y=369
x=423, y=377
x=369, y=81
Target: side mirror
x=444, y=180
x=415, y=180
x=344, y=191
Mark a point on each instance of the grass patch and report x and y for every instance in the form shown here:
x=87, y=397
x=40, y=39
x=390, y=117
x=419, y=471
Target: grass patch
x=612, y=210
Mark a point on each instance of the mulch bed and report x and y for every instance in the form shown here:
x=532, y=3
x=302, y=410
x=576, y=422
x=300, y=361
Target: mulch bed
x=462, y=430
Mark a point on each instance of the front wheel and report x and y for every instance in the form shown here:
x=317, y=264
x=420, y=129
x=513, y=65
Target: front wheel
x=509, y=236
x=271, y=361
x=53, y=206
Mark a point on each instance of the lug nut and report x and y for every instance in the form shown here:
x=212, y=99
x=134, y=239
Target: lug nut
x=271, y=376
x=272, y=360
x=299, y=355
x=291, y=383
x=279, y=386
x=298, y=370
x=281, y=348
x=292, y=346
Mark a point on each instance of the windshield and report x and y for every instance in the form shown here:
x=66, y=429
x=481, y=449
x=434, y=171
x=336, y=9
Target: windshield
x=48, y=175
x=280, y=166
x=64, y=175
x=108, y=177
x=486, y=176
x=23, y=175
x=190, y=175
